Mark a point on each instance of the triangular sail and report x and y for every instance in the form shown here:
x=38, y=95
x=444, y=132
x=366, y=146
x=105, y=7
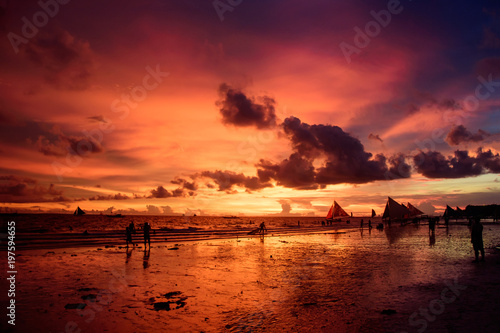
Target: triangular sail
x=373, y=213
x=395, y=210
x=449, y=212
x=414, y=211
x=338, y=211
x=330, y=213
x=78, y=211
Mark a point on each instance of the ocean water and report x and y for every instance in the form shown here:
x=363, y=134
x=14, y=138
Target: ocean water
x=59, y=230
x=60, y=223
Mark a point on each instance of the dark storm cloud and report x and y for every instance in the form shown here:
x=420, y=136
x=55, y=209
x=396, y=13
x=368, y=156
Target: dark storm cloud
x=353, y=169
x=343, y=156
x=295, y=172
x=459, y=134
x=20, y=189
x=23, y=133
x=13, y=178
x=346, y=160
x=398, y=168
x=66, y=60
x=326, y=139
x=433, y=164
x=64, y=144
x=375, y=137
x=118, y=196
x=225, y=180
x=489, y=160
x=238, y=109
x=160, y=192
x=185, y=184
x=47, y=138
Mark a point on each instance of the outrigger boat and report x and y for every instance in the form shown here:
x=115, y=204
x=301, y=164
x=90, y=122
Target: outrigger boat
x=336, y=211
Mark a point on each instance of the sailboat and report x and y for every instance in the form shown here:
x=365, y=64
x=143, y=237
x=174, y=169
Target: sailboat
x=373, y=213
x=414, y=211
x=79, y=211
x=335, y=211
x=395, y=210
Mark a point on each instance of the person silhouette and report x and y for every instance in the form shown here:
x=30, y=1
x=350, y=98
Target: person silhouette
x=147, y=238
x=476, y=238
x=263, y=228
x=432, y=224
x=128, y=233
x=132, y=227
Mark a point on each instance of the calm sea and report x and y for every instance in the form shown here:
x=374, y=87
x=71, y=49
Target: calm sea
x=62, y=223
x=59, y=230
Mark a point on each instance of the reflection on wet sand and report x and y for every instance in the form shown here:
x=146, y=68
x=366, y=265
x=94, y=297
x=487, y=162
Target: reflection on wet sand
x=340, y=281
x=395, y=233
x=145, y=259
x=432, y=238
x=128, y=251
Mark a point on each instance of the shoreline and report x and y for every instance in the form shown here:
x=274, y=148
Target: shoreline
x=117, y=238
x=343, y=282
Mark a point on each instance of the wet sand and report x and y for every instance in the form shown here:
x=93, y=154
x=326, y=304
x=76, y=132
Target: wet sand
x=396, y=280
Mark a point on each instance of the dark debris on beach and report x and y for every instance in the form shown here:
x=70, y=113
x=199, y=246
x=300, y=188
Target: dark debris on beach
x=176, y=301
x=75, y=306
x=89, y=297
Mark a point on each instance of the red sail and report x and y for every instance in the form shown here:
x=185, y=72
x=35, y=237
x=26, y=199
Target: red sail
x=330, y=213
x=338, y=211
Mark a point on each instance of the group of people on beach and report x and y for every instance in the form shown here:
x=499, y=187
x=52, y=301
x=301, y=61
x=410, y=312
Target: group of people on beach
x=131, y=230
x=361, y=224
x=476, y=234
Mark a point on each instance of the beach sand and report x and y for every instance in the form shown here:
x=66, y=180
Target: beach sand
x=396, y=280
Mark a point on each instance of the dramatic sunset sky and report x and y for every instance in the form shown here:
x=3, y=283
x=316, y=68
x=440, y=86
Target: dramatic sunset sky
x=248, y=107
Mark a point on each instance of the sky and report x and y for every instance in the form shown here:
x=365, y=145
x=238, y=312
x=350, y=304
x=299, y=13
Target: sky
x=237, y=107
